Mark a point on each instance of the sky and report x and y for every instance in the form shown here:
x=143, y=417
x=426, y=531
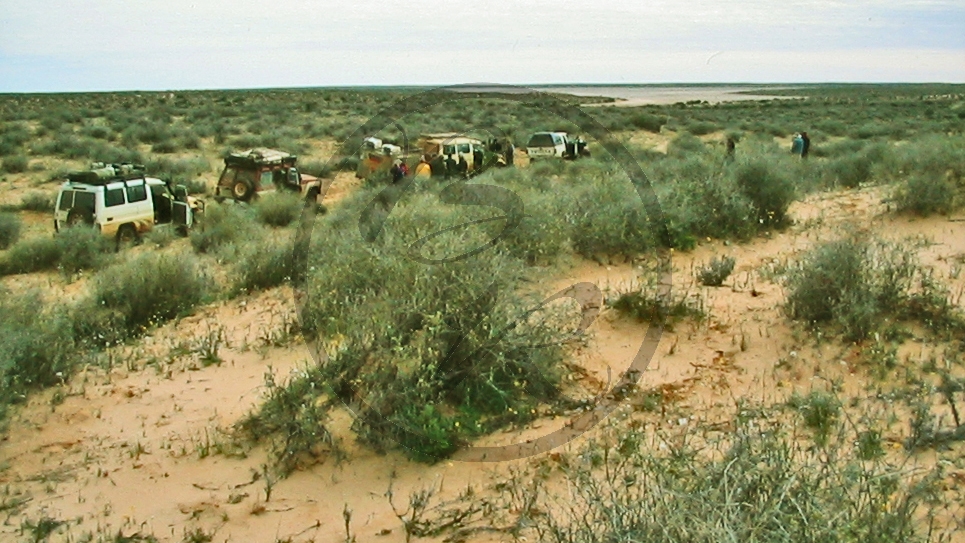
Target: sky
x=93, y=45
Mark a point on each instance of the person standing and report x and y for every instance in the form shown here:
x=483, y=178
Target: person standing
x=731, y=147
x=450, y=167
x=396, y=171
x=422, y=169
x=797, y=144
x=806, y=144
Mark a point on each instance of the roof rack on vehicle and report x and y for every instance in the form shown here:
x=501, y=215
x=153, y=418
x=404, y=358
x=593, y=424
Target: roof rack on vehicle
x=101, y=173
x=260, y=156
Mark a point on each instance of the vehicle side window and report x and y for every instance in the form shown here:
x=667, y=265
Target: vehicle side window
x=227, y=177
x=66, y=200
x=463, y=147
x=84, y=200
x=449, y=150
x=267, y=178
x=113, y=197
x=293, y=176
x=136, y=193
x=557, y=140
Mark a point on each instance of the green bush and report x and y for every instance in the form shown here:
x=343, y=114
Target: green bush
x=32, y=255
x=36, y=346
x=655, y=303
x=769, y=189
x=753, y=484
x=856, y=284
x=15, y=164
x=820, y=410
x=37, y=201
x=716, y=271
x=149, y=290
x=224, y=225
x=700, y=128
x=431, y=354
x=923, y=194
x=83, y=249
x=280, y=208
x=264, y=263
x=684, y=145
x=10, y=226
x=648, y=122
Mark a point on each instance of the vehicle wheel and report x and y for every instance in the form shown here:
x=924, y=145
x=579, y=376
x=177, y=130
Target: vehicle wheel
x=242, y=191
x=77, y=217
x=126, y=237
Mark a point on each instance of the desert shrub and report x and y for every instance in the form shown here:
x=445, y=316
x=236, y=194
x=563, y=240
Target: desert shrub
x=264, y=263
x=716, y=271
x=166, y=146
x=820, y=410
x=14, y=164
x=148, y=290
x=768, y=188
x=747, y=485
x=923, y=194
x=648, y=122
x=280, y=208
x=318, y=168
x=857, y=283
x=685, y=144
x=449, y=335
x=32, y=255
x=708, y=203
x=542, y=234
x=648, y=300
x=608, y=217
x=292, y=421
x=700, y=128
x=72, y=250
x=10, y=226
x=36, y=346
x=850, y=171
x=196, y=186
x=224, y=225
x=83, y=249
x=37, y=201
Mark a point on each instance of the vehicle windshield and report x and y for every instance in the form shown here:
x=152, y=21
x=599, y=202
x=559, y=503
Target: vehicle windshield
x=541, y=140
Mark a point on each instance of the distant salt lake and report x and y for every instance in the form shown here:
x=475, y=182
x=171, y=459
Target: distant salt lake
x=638, y=95
x=643, y=95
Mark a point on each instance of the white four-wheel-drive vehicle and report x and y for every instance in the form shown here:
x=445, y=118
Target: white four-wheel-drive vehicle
x=122, y=202
x=555, y=145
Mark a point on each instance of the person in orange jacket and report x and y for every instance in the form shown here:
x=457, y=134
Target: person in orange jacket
x=422, y=169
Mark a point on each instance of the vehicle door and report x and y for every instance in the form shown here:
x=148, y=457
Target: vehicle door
x=116, y=212
x=182, y=215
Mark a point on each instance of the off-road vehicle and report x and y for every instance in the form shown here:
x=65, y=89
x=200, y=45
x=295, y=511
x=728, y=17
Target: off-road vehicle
x=261, y=170
x=556, y=145
x=122, y=202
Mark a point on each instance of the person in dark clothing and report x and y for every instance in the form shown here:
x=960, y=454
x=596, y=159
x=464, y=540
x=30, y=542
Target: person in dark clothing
x=806, y=146
x=462, y=167
x=438, y=165
x=397, y=173
x=731, y=147
x=510, y=152
x=450, y=167
x=477, y=161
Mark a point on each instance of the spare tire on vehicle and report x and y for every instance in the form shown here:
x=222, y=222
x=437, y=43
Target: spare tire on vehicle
x=242, y=190
x=78, y=217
